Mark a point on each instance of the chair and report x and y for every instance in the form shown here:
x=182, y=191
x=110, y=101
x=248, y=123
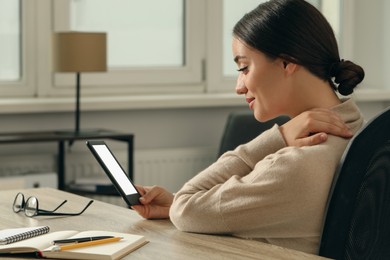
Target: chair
x=357, y=223
x=241, y=127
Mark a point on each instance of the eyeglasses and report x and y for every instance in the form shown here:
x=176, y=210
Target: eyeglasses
x=31, y=207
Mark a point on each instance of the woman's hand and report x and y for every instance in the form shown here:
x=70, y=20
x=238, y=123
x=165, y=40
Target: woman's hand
x=155, y=202
x=312, y=127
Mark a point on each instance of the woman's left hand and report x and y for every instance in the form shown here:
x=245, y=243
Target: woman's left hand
x=155, y=202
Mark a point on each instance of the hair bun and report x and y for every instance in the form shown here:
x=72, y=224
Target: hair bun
x=347, y=75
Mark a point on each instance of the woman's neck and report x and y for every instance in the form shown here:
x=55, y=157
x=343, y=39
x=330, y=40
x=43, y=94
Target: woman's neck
x=312, y=92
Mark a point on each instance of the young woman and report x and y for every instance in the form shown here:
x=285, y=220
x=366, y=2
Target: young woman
x=274, y=189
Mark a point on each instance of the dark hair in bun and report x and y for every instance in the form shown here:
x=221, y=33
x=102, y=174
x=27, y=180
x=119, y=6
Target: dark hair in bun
x=346, y=75
x=297, y=32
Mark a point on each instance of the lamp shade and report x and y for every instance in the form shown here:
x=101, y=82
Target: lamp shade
x=80, y=52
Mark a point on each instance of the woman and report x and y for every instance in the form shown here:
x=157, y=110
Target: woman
x=270, y=189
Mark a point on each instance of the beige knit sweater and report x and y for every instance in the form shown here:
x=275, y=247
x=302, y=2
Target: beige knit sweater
x=265, y=190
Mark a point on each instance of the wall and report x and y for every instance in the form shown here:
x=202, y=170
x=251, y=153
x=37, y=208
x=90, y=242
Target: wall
x=179, y=142
x=199, y=129
x=154, y=128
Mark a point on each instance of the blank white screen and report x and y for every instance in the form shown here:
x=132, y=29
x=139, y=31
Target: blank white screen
x=115, y=169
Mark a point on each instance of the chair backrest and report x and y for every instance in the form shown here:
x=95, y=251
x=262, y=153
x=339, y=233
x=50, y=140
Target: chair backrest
x=241, y=127
x=357, y=223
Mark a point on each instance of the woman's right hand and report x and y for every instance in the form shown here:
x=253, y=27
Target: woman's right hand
x=312, y=127
x=155, y=202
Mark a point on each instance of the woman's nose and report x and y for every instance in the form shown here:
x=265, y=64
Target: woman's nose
x=240, y=86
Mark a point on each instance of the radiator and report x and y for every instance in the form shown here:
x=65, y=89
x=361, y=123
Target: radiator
x=169, y=168
x=32, y=180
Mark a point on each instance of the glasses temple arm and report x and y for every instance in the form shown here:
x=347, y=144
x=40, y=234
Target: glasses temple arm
x=48, y=213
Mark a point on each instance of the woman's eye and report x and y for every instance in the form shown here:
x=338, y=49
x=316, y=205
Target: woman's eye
x=242, y=69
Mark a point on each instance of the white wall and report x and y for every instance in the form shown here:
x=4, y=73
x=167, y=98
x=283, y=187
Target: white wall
x=153, y=128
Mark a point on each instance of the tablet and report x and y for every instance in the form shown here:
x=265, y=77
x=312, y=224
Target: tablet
x=114, y=171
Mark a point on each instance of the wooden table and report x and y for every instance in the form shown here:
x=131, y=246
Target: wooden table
x=166, y=242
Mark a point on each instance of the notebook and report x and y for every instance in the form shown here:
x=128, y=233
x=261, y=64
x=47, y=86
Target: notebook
x=8, y=236
x=43, y=247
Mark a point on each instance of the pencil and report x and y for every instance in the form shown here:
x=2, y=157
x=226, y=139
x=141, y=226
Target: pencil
x=85, y=244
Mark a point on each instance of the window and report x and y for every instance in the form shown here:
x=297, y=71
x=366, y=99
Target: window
x=149, y=51
x=162, y=47
x=17, y=50
x=10, y=39
x=370, y=42
x=232, y=12
x=133, y=36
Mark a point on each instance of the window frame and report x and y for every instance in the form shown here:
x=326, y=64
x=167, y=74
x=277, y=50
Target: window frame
x=25, y=86
x=216, y=82
x=36, y=91
x=186, y=79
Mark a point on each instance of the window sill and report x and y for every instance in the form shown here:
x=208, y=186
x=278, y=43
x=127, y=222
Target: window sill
x=372, y=95
x=108, y=103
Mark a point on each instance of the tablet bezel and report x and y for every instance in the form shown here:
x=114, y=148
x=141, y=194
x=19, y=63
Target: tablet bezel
x=130, y=199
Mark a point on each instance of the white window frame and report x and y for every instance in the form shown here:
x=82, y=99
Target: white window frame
x=186, y=79
x=199, y=84
x=25, y=86
x=216, y=82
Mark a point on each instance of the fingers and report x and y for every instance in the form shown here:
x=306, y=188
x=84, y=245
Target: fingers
x=324, y=120
x=151, y=193
x=312, y=140
x=334, y=128
x=151, y=212
x=140, y=189
x=148, y=193
x=313, y=127
x=141, y=210
x=155, y=202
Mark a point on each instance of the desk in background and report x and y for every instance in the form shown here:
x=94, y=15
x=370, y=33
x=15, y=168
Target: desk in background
x=165, y=241
x=61, y=138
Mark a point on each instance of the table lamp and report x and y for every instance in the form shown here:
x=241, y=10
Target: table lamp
x=79, y=52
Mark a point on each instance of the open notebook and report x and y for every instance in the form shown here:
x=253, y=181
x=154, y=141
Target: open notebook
x=42, y=246
x=12, y=235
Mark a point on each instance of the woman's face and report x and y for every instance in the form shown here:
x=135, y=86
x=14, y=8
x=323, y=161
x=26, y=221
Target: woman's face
x=262, y=80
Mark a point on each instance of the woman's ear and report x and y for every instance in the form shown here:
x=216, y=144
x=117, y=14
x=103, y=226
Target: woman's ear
x=289, y=67
x=288, y=63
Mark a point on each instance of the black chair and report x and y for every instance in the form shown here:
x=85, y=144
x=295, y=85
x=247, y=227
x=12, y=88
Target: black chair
x=357, y=224
x=241, y=127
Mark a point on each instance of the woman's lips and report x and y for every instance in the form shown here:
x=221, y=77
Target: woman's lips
x=250, y=102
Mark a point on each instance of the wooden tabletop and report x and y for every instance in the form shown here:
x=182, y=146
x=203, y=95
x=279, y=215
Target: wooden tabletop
x=165, y=241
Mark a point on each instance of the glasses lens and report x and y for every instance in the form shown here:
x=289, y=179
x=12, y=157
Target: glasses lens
x=31, y=207
x=18, y=202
